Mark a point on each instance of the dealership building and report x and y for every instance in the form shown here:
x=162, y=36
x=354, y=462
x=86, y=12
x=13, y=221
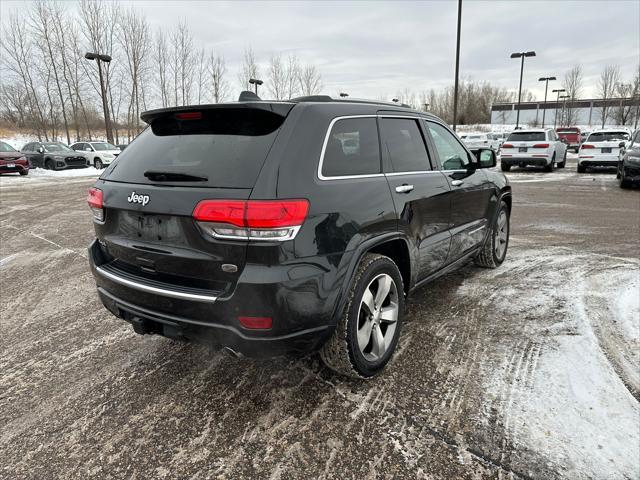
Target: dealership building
x=584, y=112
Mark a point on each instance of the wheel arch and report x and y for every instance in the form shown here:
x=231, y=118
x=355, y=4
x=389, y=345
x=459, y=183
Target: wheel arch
x=393, y=245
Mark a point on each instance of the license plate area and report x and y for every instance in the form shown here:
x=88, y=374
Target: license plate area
x=522, y=149
x=606, y=150
x=151, y=227
x=11, y=165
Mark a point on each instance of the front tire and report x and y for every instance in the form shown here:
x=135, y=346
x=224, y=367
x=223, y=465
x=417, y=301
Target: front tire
x=368, y=330
x=24, y=172
x=49, y=164
x=494, y=250
x=98, y=164
x=581, y=169
x=505, y=168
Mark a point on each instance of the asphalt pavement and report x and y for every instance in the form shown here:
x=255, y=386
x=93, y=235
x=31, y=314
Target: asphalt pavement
x=519, y=372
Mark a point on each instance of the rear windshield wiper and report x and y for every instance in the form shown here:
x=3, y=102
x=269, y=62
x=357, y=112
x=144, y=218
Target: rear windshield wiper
x=173, y=177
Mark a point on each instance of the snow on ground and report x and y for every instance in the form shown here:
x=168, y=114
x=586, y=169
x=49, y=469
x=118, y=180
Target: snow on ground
x=566, y=391
x=39, y=176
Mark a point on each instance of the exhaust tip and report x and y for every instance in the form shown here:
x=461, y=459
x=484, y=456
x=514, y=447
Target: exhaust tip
x=231, y=352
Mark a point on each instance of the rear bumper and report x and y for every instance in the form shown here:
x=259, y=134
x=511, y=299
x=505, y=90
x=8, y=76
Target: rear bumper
x=598, y=161
x=525, y=161
x=301, y=308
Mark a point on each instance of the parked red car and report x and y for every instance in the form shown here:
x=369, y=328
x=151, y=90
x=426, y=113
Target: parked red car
x=12, y=161
x=571, y=136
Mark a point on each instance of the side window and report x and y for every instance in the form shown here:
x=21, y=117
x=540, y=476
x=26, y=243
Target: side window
x=453, y=155
x=402, y=140
x=27, y=147
x=352, y=148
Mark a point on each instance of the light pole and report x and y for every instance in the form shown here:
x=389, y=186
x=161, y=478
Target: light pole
x=555, y=116
x=344, y=95
x=564, y=103
x=99, y=58
x=546, y=86
x=256, y=82
x=521, y=55
x=426, y=107
x=455, y=85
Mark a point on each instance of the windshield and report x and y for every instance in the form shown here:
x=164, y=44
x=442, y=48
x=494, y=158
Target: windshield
x=608, y=136
x=101, y=146
x=56, y=147
x=526, y=136
x=5, y=147
x=227, y=146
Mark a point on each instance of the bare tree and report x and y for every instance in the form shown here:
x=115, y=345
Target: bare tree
x=248, y=70
x=292, y=74
x=623, y=113
x=182, y=63
x=277, y=82
x=310, y=80
x=201, y=75
x=217, y=75
x=135, y=39
x=161, y=58
x=573, y=80
x=609, y=78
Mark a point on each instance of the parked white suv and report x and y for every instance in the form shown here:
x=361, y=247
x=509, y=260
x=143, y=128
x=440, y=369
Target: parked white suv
x=602, y=148
x=98, y=153
x=536, y=146
x=480, y=140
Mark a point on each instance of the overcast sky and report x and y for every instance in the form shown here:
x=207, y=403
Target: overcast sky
x=369, y=49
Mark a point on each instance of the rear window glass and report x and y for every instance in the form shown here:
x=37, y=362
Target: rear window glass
x=474, y=137
x=567, y=130
x=608, y=136
x=404, y=144
x=352, y=148
x=526, y=136
x=227, y=147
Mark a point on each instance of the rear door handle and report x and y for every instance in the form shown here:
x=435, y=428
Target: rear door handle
x=404, y=188
x=457, y=183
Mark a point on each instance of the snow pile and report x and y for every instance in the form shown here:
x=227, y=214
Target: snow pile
x=71, y=172
x=566, y=388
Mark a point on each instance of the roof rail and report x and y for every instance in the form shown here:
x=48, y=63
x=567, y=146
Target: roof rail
x=327, y=98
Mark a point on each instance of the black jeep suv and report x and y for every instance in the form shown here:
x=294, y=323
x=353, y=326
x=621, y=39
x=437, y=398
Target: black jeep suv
x=270, y=227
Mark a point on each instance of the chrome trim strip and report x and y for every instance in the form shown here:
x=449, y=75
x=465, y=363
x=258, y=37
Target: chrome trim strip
x=395, y=174
x=159, y=291
x=477, y=229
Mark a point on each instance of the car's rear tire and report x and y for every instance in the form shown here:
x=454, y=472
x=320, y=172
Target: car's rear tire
x=623, y=182
x=549, y=168
x=505, y=168
x=24, y=172
x=98, y=164
x=494, y=250
x=368, y=330
x=581, y=169
x=564, y=161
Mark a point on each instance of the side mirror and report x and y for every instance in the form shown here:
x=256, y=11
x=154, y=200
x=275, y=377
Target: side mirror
x=622, y=144
x=87, y=149
x=486, y=158
x=40, y=149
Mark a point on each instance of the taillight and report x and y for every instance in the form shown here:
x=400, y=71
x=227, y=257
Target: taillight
x=188, y=116
x=507, y=145
x=266, y=220
x=541, y=145
x=94, y=199
x=585, y=146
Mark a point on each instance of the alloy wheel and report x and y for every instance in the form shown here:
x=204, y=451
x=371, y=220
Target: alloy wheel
x=377, y=317
x=501, y=234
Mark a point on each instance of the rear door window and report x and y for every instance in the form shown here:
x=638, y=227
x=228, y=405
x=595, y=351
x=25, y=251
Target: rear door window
x=403, y=142
x=352, y=148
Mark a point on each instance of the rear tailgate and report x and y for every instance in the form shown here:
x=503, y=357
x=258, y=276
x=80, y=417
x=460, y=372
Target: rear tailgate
x=151, y=190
